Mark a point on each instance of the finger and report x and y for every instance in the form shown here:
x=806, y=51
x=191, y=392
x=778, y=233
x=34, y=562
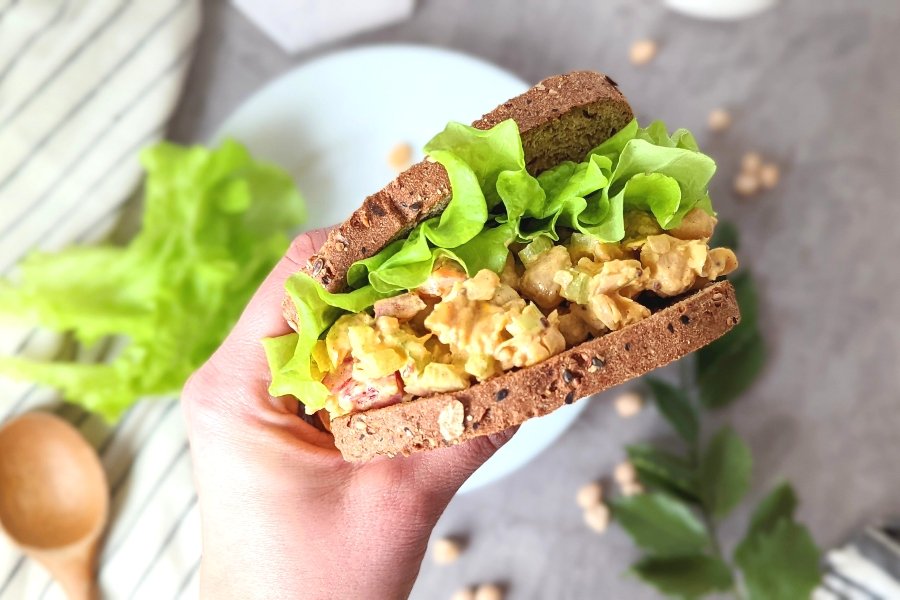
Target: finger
x=442, y=472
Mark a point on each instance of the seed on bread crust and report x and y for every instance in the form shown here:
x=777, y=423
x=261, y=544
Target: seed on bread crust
x=450, y=420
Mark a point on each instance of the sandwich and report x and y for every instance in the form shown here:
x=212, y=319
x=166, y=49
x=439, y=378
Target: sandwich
x=548, y=252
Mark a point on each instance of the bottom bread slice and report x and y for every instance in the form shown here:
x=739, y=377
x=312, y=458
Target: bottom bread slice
x=516, y=396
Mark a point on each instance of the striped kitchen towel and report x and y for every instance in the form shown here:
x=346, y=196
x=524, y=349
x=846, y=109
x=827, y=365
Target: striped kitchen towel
x=84, y=84
x=865, y=568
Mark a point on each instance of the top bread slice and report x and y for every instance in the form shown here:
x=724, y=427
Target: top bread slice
x=562, y=118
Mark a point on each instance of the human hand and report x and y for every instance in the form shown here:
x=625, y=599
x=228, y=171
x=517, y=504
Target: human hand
x=283, y=515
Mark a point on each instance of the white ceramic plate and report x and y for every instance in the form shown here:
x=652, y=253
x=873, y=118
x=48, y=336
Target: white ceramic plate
x=719, y=10
x=332, y=123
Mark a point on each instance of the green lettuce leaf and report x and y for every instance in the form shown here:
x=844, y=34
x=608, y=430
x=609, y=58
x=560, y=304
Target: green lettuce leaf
x=577, y=199
x=496, y=202
x=487, y=153
x=487, y=250
x=669, y=181
x=215, y=222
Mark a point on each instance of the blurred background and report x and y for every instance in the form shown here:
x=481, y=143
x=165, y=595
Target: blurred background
x=810, y=88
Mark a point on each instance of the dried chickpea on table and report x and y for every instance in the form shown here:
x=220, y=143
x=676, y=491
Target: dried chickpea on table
x=455, y=330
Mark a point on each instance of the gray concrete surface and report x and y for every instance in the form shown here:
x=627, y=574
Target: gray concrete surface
x=815, y=85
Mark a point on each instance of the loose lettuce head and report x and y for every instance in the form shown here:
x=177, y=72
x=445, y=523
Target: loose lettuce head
x=495, y=202
x=215, y=222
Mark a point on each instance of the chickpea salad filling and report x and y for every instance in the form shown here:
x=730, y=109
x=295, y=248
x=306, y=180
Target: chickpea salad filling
x=515, y=270
x=454, y=329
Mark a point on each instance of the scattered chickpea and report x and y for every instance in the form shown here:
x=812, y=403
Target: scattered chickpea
x=751, y=163
x=769, y=175
x=488, y=591
x=597, y=517
x=746, y=184
x=642, y=52
x=632, y=488
x=629, y=404
x=590, y=494
x=625, y=473
x=719, y=120
x=464, y=594
x=446, y=551
x=400, y=156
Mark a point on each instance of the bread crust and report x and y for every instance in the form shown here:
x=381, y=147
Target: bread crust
x=516, y=396
x=561, y=118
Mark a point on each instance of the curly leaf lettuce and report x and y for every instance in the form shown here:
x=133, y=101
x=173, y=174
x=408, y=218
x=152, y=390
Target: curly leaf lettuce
x=215, y=222
x=654, y=171
x=495, y=201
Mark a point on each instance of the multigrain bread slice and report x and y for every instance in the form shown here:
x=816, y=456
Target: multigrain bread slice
x=509, y=399
x=561, y=118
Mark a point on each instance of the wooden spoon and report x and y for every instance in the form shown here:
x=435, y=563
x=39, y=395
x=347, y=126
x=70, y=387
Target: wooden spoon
x=54, y=498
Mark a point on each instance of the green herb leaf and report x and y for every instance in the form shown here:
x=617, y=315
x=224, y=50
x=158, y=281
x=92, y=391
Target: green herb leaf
x=660, y=469
x=733, y=373
x=725, y=470
x=728, y=366
x=674, y=405
x=779, y=564
x=745, y=290
x=779, y=504
x=748, y=298
x=661, y=524
x=725, y=236
x=685, y=577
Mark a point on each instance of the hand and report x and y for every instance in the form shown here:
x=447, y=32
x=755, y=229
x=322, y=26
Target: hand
x=283, y=516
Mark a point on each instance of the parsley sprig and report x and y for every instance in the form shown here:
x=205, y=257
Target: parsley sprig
x=691, y=491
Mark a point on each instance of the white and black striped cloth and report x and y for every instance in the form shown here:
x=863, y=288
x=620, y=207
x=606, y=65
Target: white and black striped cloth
x=84, y=84
x=866, y=568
